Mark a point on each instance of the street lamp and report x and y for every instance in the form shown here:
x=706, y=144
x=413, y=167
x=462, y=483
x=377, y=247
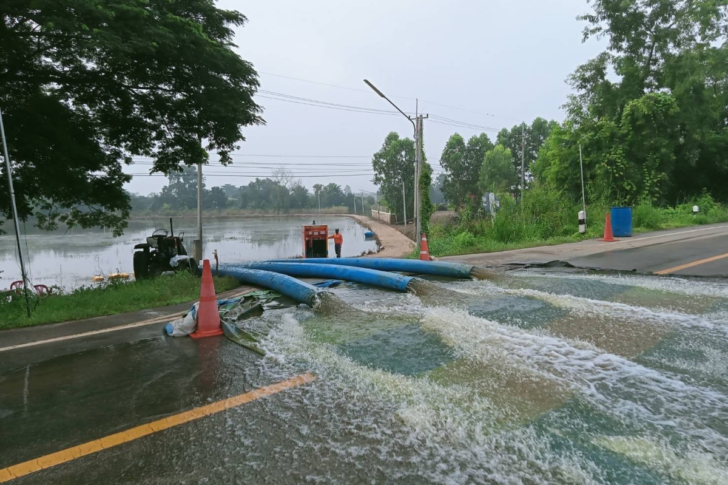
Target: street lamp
x=417, y=161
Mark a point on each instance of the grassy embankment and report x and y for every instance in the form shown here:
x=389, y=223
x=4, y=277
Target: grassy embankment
x=546, y=218
x=107, y=299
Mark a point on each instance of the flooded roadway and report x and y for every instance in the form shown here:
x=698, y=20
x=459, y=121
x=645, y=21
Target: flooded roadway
x=533, y=378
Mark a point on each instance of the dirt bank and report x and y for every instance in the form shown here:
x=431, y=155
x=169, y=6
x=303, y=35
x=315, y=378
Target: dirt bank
x=394, y=244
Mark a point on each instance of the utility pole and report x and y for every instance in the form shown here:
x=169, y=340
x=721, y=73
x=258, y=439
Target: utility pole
x=15, y=214
x=523, y=159
x=419, y=153
x=404, y=205
x=583, y=196
x=416, y=187
x=198, y=242
x=319, y=198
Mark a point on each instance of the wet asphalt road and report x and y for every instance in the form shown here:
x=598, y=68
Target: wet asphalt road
x=668, y=255
x=68, y=393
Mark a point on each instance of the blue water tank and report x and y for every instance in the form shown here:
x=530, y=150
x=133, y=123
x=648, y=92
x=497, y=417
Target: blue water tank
x=622, y=221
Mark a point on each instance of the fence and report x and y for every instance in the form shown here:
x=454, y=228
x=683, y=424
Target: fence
x=380, y=214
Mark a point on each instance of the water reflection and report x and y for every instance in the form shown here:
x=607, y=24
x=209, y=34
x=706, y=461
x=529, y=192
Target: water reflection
x=70, y=258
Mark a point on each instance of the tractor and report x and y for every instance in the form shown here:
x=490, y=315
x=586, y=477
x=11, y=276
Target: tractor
x=161, y=253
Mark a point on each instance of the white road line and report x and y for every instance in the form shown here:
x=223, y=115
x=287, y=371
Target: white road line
x=151, y=321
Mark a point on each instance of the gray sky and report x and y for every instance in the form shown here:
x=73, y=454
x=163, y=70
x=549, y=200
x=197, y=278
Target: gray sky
x=501, y=61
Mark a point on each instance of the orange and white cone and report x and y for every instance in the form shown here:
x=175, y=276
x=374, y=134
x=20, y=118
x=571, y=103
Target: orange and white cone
x=424, y=250
x=608, y=236
x=208, y=317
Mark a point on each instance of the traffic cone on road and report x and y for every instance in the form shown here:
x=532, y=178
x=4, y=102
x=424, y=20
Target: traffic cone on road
x=208, y=317
x=424, y=250
x=608, y=236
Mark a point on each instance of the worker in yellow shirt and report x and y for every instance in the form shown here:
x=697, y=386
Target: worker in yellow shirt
x=338, y=241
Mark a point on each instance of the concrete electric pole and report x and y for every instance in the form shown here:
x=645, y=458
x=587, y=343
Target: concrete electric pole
x=15, y=214
x=523, y=159
x=417, y=125
x=197, y=249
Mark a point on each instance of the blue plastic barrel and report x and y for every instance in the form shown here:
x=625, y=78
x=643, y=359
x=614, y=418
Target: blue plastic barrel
x=622, y=221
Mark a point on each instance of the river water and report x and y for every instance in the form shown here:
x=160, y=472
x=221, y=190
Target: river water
x=70, y=258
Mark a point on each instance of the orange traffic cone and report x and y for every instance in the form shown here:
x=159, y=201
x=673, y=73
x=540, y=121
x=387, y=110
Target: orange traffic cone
x=424, y=250
x=608, y=236
x=208, y=318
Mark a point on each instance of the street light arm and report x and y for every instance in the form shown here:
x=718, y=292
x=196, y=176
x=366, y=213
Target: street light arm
x=390, y=102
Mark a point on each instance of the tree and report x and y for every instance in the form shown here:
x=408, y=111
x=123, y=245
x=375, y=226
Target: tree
x=534, y=136
x=394, y=164
x=85, y=85
x=299, y=197
x=462, y=168
x=214, y=198
x=436, y=195
x=284, y=177
x=497, y=174
x=332, y=196
x=181, y=192
x=650, y=112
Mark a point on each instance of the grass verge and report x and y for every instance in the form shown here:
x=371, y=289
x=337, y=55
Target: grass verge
x=108, y=299
x=545, y=218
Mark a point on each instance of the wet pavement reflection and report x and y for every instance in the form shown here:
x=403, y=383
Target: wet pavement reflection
x=533, y=378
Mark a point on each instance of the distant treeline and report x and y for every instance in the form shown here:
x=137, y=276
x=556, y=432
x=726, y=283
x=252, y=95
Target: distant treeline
x=279, y=194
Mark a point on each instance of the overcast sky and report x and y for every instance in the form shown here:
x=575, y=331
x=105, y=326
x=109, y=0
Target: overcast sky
x=500, y=61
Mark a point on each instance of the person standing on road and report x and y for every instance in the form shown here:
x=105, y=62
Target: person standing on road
x=338, y=241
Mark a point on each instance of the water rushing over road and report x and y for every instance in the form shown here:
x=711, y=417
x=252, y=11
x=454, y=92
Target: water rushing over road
x=534, y=378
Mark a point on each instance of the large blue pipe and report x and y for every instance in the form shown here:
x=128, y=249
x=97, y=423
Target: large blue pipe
x=300, y=291
x=438, y=268
x=364, y=276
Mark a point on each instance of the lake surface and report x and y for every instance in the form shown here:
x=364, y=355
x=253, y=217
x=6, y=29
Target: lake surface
x=70, y=258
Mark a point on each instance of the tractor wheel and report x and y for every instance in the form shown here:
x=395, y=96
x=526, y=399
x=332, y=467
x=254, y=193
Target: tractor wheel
x=192, y=265
x=141, y=265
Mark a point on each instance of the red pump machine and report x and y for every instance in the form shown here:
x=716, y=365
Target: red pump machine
x=316, y=241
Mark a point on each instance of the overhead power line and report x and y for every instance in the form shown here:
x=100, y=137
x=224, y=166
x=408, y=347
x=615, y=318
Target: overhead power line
x=394, y=96
x=326, y=84
x=309, y=167
x=238, y=154
x=262, y=175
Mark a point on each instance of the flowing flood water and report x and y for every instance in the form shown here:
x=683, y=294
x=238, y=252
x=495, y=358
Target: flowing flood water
x=528, y=379
x=70, y=258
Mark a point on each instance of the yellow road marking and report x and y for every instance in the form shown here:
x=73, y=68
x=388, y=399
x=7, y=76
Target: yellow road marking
x=151, y=321
x=690, y=265
x=69, y=454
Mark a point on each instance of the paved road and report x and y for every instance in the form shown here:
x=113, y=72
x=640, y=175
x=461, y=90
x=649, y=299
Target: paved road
x=699, y=251
x=71, y=393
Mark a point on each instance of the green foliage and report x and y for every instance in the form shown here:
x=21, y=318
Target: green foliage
x=497, y=173
x=108, y=299
x=394, y=164
x=462, y=168
x=545, y=217
x=650, y=112
x=84, y=84
x=260, y=195
x=531, y=138
x=427, y=206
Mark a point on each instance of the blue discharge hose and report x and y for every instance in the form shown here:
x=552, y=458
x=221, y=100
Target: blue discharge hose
x=364, y=276
x=300, y=291
x=437, y=268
